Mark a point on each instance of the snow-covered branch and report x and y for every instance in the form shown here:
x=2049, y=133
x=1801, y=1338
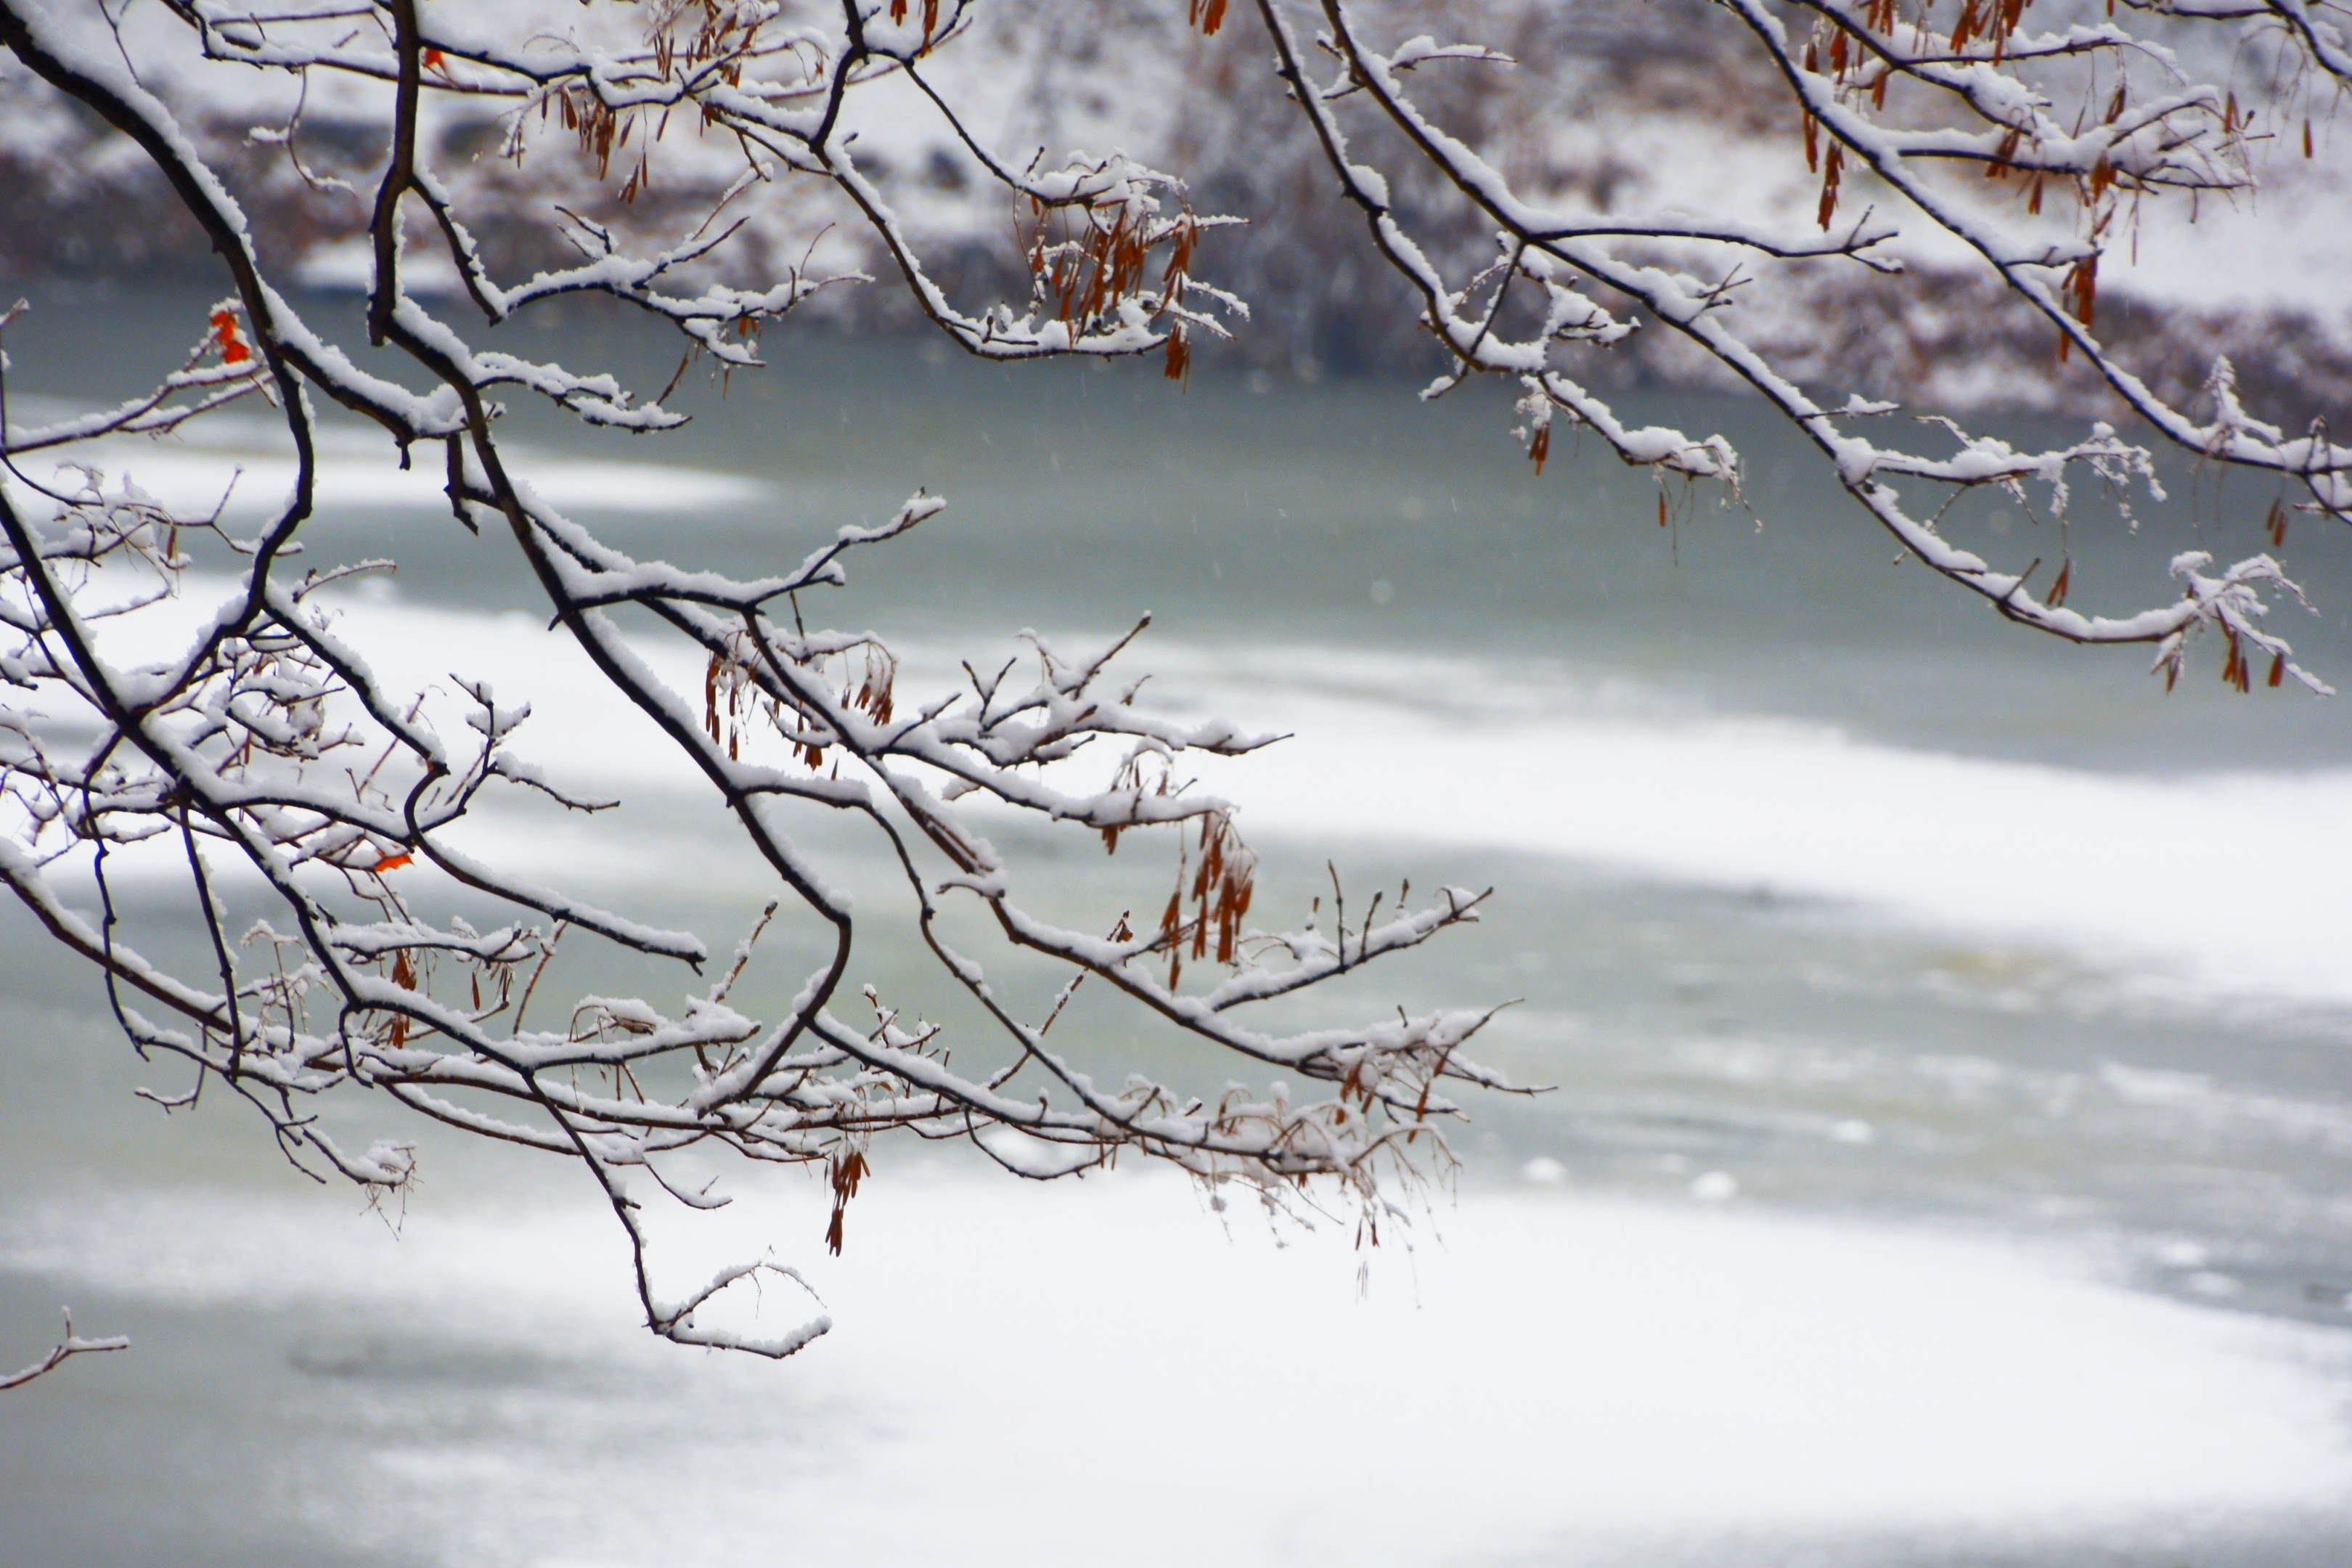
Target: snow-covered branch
x=65, y=1350
x=264, y=761
x=259, y=758
x=1894, y=98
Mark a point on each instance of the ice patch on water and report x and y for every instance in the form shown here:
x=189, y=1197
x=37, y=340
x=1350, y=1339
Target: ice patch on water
x=2126, y=872
x=354, y=473
x=1629, y=1377
x=1715, y=1187
x=2117, y=867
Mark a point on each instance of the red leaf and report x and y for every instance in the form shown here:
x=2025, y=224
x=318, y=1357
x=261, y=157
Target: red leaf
x=234, y=349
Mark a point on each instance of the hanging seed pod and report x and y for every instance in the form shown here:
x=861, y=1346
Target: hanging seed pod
x=847, y=1174
x=1970, y=18
x=2001, y=165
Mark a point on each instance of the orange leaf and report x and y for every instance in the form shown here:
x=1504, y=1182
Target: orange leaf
x=233, y=349
x=392, y=863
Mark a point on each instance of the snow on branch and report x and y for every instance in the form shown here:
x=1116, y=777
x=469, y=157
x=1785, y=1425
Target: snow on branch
x=1891, y=99
x=264, y=765
x=72, y=1346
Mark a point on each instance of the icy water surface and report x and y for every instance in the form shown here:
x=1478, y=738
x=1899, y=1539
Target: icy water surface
x=1948, y=1151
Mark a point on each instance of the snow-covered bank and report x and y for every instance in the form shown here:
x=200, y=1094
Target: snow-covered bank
x=1614, y=106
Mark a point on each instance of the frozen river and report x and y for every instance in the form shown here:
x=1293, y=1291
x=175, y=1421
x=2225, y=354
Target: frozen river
x=1949, y=1155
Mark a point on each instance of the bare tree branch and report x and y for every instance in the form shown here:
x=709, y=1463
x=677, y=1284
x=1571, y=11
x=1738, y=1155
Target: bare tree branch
x=265, y=748
x=72, y=1346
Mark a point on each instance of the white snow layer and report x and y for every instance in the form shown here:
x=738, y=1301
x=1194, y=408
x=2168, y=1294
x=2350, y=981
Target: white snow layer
x=2223, y=883
x=2226, y=881
x=1098, y=1373
x=354, y=473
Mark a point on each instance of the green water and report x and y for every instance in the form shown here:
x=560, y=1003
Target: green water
x=1835, y=1063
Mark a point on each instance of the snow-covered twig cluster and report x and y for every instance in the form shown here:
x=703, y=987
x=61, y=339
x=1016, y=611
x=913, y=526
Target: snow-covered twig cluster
x=1926, y=105
x=267, y=754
